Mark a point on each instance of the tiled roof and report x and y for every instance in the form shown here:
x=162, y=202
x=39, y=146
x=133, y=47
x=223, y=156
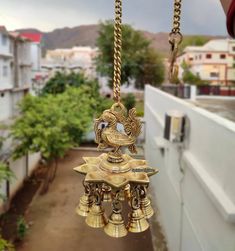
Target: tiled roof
x=35, y=37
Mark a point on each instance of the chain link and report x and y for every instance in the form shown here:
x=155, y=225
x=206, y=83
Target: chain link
x=117, y=51
x=175, y=39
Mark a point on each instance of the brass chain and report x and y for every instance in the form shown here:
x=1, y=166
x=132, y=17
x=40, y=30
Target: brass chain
x=117, y=51
x=175, y=39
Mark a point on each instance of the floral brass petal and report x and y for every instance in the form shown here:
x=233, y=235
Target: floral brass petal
x=92, y=160
x=95, y=177
x=152, y=172
x=85, y=168
x=136, y=177
x=117, y=181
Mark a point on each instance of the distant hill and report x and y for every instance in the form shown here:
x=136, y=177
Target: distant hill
x=86, y=35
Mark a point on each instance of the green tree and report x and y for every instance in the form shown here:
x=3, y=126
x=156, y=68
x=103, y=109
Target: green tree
x=193, y=41
x=61, y=81
x=139, y=61
x=129, y=101
x=51, y=124
x=189, y=77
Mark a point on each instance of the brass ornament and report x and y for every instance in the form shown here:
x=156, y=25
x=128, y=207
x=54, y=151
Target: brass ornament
x=175, y=39
x=85, y=202
x=115, y=176
x=145, y=203
x=116, y=226
x=137, y=221
x=96, y=217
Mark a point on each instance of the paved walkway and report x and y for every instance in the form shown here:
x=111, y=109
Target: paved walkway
x=56, y=227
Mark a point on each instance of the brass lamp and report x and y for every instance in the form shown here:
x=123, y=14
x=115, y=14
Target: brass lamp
x=115, y=176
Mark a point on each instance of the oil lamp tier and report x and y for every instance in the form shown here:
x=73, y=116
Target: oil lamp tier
x=115, y=177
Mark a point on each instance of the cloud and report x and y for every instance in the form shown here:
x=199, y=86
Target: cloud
x=198, y=16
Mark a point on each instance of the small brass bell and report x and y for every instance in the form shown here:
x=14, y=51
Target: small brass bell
x=145, y=203
x=96, y=217
x=137, y=221
x=127, y=192
x=107, y=195
x=122, y=195
x=146, y=207
x=116, y=227
x=84, y=205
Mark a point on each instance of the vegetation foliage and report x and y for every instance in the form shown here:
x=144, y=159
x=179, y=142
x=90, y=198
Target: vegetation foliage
x=52, y=123
x=5, y=245
x=193, y=41
x=140, y=63
x=189, y=77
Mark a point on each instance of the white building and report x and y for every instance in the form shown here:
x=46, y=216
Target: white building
x=75, y=59
x=15, y=81
x=15, y=71
x=195, y=188
x=213, y=62
x=37, y=75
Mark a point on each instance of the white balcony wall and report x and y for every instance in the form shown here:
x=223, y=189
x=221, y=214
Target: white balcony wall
x=195, y=188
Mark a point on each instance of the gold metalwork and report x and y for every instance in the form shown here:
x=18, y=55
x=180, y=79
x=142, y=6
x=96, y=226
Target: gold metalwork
x=110, y=137
x=117, y=51
x=116, y=226
x=145, y=203
x=137, y=221
x=115, y=176
x=85, y=202
x=96, y=218
x=175, y=39
x=107, y=193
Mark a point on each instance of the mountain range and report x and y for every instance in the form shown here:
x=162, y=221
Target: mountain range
x=86, y=35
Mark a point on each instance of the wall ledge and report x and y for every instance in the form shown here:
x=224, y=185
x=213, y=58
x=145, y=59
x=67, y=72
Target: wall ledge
x=217, y=195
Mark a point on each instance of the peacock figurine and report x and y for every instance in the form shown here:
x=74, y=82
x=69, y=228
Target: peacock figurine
x=108, y=135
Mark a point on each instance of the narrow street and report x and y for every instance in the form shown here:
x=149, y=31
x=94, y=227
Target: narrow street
x=54, y=225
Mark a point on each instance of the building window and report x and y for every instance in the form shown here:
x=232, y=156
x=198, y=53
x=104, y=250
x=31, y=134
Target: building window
x=214, y=74
x=5, y=71
x=191, y=59
x=233, y=48
x=200, y=57
x=208, y=56
x=222, y=56
x=4, y=40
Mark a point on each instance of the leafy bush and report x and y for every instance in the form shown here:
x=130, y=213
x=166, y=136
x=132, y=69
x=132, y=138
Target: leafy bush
x=129, y=101
x=5, y=245
x=22, y=228
x=61, y=81
x=51, y=124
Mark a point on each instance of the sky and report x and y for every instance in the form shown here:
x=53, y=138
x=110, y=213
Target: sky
x=198, y=16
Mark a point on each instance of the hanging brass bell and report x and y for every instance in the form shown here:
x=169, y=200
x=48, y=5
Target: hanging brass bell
x=116, y=227
x=107, y=193
x=84, y=205
x=145, y=203
x=96, y=217
x=146, y=207
x=137, y=222
x=127, y=192
x=122, y=195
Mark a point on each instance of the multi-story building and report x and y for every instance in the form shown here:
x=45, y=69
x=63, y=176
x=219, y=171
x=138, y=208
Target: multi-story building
x=75, y=59
x=38, y=77
x=213, y=62
x=16, y=62
x=15, y=71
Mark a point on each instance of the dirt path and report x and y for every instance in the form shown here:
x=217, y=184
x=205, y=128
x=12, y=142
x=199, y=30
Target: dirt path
x=56, y=227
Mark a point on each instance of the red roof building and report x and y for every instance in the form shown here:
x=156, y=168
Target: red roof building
x=34, y=37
